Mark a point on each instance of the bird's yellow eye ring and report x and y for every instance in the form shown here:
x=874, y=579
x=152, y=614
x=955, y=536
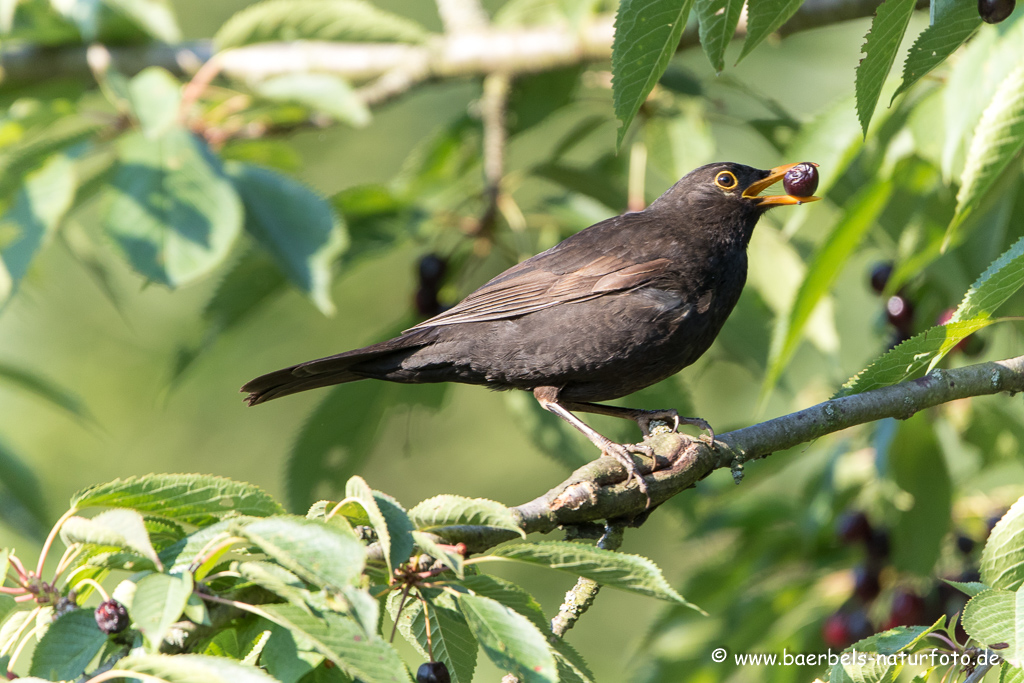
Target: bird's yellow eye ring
x=726, y=180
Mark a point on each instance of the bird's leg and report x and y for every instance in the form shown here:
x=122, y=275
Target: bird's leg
x=643, y=418
x=548, y=399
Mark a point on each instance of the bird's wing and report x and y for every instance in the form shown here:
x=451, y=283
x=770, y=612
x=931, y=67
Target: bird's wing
x=530, y=287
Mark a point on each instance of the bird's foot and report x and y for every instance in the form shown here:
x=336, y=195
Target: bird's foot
x=708, y=438
x=644, y=418
x=621, y=452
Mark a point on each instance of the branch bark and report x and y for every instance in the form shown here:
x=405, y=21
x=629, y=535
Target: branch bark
x=600, y=490
x=394, y=68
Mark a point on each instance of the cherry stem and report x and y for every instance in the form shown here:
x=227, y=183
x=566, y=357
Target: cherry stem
x=51, y=537
x=23, y=575
x=95, y=584
x=398, y=614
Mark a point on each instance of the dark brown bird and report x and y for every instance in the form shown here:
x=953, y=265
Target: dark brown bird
x=615, y=308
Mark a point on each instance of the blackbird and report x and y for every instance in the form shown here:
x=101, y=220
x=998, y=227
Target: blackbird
x=614, y=308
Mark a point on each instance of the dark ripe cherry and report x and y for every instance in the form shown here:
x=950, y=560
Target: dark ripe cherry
x=858, y=625
x=994, y=11
x=878, y=545
x=907, y=609
x=880, y=274
x=65, y=604
x=866, y=584
x=801, y=180
x=432, y=268
x=112, y=617
x=900, y=312
x=433, y=672
x=853, y=527
x=965, y=544
x=835, y=633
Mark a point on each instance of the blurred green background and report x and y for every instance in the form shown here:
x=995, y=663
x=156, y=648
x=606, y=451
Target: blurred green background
x=763, y=558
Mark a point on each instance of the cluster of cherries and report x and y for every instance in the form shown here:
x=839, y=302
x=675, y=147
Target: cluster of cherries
x=899, y=313
x=908, y=608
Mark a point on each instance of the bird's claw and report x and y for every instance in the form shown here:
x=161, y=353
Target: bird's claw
x=621, y=452
x=645, y=419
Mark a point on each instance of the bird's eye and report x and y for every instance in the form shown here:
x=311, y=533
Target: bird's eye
x=725, y=180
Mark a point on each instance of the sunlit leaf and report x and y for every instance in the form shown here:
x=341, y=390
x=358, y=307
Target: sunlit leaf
x=997, y=616
x=718, y=20
x=158, y=603
x=764, y=17
x=938, y=41
x=446, y=510
x=880, y=47
x=389, y=520
x=320, y=553
x=153, y=16
x=191, y=668
x=1002, y=560
x=155, y=97
x=647, y=34
x=510, y=640
x=451, y=641
x=325, y=93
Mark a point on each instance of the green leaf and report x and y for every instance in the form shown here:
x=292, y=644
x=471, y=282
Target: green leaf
x=510, y=640
x=198, y=499
x=899, y=639
x=158, y=602
x=647, y=34
x=1010, y=674
x=339, y=20
x=193, y=669
x=120, y=528
x=388, y=519
x=938, y=41
x=45, y=389
x=970, y=588
x=153, y=16
x=155, y=100
x=997, y=616
x=69, y=645
x=341, y=639
x=508, y=594
x=619, y=570
x=868, y=669
x=998, y=141
x=823, y=271
x=322, y=554
x=1002, y=559
x=880, y=47
x=298, y=228
x=764, y=17
x=451, y=641
x=571, y=667
x=718, y=20
x=321, y=92
x=37, y=209
x=447, y=556
x=912, y=357
x=172, y=212
x=23, y=496
x=918, y=532
x=999, y=282
x=38, y=145
x=434, y=514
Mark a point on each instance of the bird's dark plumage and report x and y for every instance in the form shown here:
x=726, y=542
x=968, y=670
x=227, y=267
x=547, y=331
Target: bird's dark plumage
x=614, y=308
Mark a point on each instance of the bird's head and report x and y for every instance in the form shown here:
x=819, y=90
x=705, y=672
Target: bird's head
x=729, y=193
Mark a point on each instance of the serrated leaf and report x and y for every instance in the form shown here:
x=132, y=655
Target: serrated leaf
x=342, y=640
x=823, y=271
x=158, y=602
x=938, y=41
x=995, y=616
x=912, y=357
x=193, y=669
x=120, y=527
x=451, y=641
x=619, y=570
x=509, y=594
x=969, y=588
x=880, y=47
x=434, y=514
x=172, y=212
x=899, y=639
x=198, y=499
x=999, y=282
x=447, y=556
x=39, y=144
x=571, y=667
x=867, y=669
x=155, y=97
x=1010, y=674
x=298, y=228
x=647, y=34
x=319, y=553
x=339, y=20
x=1002, y=558
x=764, y=17
x=998, y=140
x=509, y=639
x=321, y=92
x=69, y=645
x=393, y=529
x=37, y=209
x=718, y=21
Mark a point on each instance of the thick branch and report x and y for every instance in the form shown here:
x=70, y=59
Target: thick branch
x=477, y=52
x=599, y=491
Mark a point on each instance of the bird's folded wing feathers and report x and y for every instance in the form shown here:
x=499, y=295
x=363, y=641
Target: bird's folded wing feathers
x=527, y=289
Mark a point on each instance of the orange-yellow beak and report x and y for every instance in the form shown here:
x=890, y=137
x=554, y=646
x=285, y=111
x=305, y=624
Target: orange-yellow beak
x=774, y=176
